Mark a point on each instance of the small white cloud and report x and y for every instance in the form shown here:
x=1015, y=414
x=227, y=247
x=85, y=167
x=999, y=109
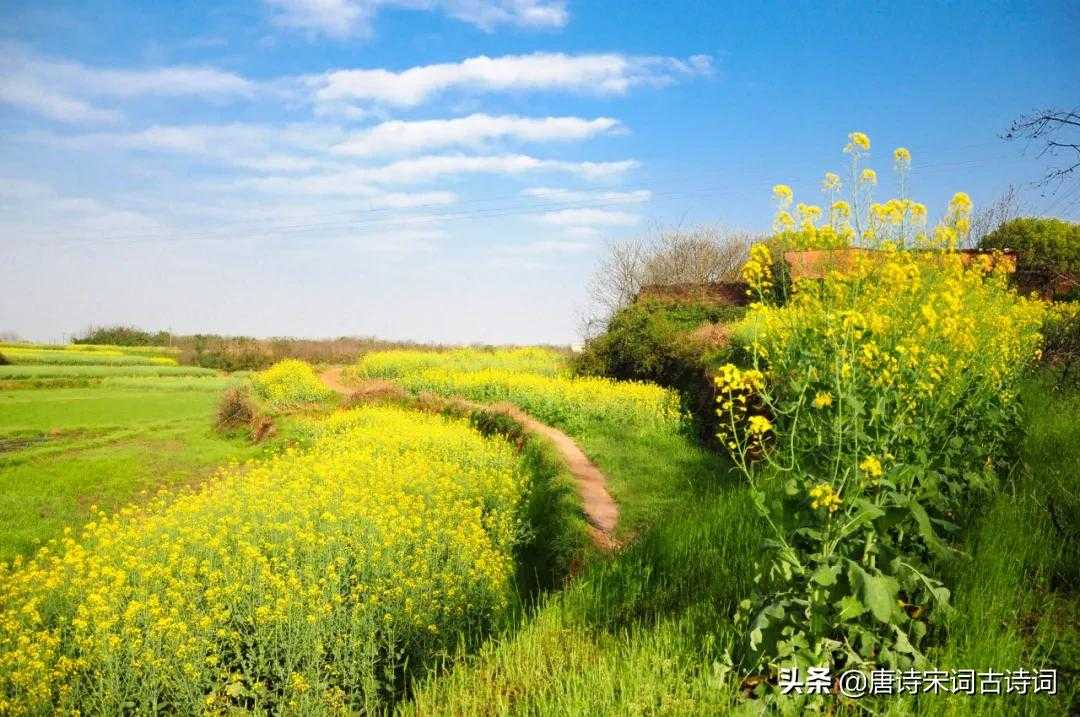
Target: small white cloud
x=31, y=96
x=336, y=19
x=567, y=196
x=553, y=247
x=264, y=148
x=400, y=137
x=419, y=170
x=582, y=232
x=489, y=14
x=589, y=218
x=589, y=74
x=61, y=90
x=43, y=214
x=344, y=19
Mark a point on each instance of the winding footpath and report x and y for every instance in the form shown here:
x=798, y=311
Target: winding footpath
x=600, y=508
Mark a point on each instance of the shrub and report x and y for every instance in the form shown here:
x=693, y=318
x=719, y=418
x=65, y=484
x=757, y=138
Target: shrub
x=1062, y=344
x=288, y=384
x=659, y=341
x=1048, y=253
x=315, y=582
x=4, y=360
x=235, y=408
x=260, y=427
x=668, y=257
x=123, y=336
x=870, y=407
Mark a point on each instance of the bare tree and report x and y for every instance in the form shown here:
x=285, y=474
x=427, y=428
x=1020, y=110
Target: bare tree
x=662, y=257
x=1004, y=209
x=1058, y=133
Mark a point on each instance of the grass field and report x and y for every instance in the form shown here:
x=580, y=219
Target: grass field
x=96, y=371
x=646, y=630
x=63, y=450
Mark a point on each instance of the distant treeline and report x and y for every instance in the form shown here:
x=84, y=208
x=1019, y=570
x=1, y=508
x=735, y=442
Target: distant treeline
x=238, y=353
x=124, y=336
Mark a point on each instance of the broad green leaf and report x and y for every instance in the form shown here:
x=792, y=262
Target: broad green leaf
x=825, y=575
x=850, y=608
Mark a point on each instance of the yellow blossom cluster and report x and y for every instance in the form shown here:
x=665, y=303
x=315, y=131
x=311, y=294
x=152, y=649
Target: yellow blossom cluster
x=824, y=496
x=294, y=584
x=558, y=399
x=757, y=271
x=871, y=466
x=736, y=394
x=289, y=383
x=857, y=142
x=920, y=337
x=396, y=363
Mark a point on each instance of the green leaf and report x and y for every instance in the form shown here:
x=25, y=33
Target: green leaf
x=878, y=592
x=926, y=529
x=850, y=608
x=825, y=575
x=904, y=645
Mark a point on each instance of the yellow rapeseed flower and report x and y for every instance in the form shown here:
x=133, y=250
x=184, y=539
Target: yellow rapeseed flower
x=858, y=141
x=871, y=466
x=824, y=496
x=783, y=194
x=758, y=425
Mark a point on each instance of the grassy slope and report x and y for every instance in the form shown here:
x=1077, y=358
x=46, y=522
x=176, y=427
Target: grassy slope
x=636, y=633
x=63, y=450
x=644, y=632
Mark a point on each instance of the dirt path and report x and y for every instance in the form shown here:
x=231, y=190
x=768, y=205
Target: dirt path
x=332, y=378
x=600, y=508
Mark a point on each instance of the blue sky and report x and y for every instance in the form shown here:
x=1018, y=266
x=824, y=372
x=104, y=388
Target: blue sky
x=450, y=170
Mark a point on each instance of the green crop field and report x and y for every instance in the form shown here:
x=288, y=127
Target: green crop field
x=64, y=450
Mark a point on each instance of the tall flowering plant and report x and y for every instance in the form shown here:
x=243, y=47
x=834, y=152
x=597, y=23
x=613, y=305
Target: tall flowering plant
x=870, y=403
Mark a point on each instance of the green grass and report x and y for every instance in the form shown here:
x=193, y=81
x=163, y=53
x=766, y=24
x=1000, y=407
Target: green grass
x=63, y=450
x=107, y=348
x=646, y=631
x=32, y=357
x=639, y=632
x=52, y=371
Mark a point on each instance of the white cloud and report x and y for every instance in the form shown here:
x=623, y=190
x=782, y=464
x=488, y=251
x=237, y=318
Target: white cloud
x=361, y=180
x=267, y=148
x=61, y=90
x=33, y=211
x=589, y=217
x=567, y=196
x=343, y=19
x=31, y=96
x=489, y=14
x=582, y=232
x=400, y=137
x=337, y=19
x=554, y=247
x=592, y=74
